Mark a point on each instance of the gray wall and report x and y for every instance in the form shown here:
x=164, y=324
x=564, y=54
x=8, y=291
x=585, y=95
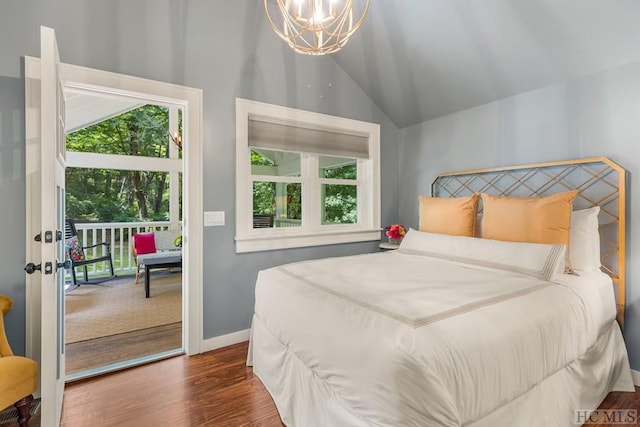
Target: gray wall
x=12, y=200
x=223, y=47
x=597, y=115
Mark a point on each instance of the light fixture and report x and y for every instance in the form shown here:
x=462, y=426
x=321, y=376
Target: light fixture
x=177, y=139
x=316, y=27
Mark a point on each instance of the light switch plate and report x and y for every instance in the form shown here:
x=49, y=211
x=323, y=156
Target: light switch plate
x=213, y=218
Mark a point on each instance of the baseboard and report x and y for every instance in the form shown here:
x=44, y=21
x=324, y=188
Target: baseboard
x=228, y=339
x=636, y=377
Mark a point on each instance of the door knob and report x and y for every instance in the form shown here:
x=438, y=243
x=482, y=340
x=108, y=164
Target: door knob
x=31, y=268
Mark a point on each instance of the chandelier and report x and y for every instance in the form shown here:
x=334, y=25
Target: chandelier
x=316, y=27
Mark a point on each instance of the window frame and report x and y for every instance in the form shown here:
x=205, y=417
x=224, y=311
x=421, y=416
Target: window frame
x=312, y=232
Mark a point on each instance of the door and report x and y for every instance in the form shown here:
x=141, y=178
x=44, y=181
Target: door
x=45, y=161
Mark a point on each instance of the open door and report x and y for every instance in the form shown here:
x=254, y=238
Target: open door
x=45, y=159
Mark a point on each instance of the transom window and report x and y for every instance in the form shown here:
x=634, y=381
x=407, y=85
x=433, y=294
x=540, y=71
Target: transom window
x=304, y=178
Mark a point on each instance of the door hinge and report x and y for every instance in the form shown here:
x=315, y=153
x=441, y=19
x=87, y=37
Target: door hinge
x=66, y=265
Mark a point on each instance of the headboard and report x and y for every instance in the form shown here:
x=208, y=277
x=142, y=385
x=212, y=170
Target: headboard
x=599, y=181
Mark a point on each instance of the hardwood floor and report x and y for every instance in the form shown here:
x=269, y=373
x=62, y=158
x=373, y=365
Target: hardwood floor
x=85, y=355
x=211, y=389
x=617, y=400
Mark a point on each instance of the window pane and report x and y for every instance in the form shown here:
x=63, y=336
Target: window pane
x=274, y=163
x=143, y=131
x=340, y=204
x=338, y=167
x=277, y=204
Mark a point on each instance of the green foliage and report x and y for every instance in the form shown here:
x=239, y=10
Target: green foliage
x=340, y=204
x=107, y=195
x=349, y=171
x=264, y=198
x=264, y=193
x=260, y=160
x=341, y=201
x=294, y=201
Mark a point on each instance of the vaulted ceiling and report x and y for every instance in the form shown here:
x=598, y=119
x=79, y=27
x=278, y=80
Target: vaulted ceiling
x=422, y=59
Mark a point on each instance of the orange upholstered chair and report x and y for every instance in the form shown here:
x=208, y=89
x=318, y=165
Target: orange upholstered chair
x=18, y=375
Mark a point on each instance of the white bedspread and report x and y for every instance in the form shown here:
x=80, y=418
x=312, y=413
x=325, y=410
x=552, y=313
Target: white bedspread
x=405, y=339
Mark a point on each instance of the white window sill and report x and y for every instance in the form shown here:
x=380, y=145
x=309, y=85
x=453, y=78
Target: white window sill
x=269, y=243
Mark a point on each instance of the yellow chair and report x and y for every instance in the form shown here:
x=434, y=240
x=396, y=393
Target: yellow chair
x=18, y=375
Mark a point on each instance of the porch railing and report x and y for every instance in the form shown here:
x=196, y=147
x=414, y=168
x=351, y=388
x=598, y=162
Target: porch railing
x=283, y=222
x=119, y=235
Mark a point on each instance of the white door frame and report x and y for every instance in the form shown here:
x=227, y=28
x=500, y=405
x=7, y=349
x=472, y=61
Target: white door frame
x=164, y=94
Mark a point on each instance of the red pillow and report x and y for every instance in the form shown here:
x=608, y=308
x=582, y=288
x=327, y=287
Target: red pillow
x=145, y=243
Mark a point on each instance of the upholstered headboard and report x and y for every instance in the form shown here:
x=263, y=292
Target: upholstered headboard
x=599, y=181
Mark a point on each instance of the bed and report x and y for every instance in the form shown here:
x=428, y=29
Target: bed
x=450, y=330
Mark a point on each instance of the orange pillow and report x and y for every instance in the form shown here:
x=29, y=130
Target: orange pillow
x=448, y=215
x=528, y=219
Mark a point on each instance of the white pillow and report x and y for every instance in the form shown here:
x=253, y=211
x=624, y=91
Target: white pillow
x=584, y=239
x=533, y=259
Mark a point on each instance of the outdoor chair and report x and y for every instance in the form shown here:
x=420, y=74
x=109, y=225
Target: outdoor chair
x=19, y=375
x=78, y=257
x=154, y=245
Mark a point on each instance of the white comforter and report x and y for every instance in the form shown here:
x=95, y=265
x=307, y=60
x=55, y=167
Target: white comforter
x=404, y=339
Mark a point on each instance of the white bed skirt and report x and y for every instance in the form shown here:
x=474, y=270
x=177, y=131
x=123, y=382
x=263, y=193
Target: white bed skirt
x=303, y=400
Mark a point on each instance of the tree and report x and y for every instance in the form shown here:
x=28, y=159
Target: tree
x=341, y=201
x=107, y=195
x=264, y=193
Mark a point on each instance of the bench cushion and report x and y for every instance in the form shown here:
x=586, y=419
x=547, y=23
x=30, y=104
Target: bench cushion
x=160, y=257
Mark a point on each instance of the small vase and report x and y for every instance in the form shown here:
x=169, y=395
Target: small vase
x=394, y=241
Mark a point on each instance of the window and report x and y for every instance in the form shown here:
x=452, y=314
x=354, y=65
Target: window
x=304, y=179
x=276, y=203
x=141, y=131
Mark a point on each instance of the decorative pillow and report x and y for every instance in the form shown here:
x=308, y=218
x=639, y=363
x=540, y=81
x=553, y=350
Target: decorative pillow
x=525, y=219
x=448, y=215
x=532, y=259
x=584, y=239
x=145, y=243
x=73, y=249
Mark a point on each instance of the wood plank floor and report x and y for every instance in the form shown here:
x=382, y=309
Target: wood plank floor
x=94, y=353
x=212, y=389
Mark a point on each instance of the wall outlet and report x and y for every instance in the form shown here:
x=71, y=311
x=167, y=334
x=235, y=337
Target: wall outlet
x=213, y=218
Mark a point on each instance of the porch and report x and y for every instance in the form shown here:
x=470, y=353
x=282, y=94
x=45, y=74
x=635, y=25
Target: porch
x=120, y=236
